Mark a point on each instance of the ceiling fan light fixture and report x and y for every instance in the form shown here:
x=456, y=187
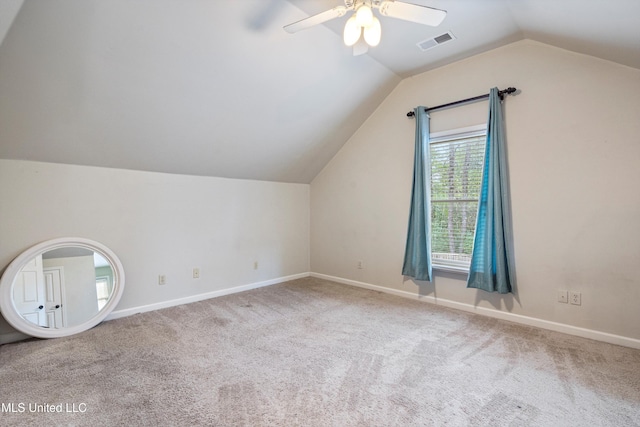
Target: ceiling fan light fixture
x=364, y=16
x=364, y=21
x=351, y=31
x=373, y=33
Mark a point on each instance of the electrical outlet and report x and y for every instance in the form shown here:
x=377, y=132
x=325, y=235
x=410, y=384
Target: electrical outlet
x=196, y=273
x=575, y=298
x=360, y=265
x=563, y=296
x=162, y=279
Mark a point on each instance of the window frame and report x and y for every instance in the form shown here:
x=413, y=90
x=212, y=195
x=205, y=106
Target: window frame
x=439, y=137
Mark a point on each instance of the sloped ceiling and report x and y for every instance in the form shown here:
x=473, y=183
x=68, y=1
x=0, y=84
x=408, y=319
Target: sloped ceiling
x=217, y=88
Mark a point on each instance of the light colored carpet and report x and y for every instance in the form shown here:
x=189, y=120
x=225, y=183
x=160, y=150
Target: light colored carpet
x=315, y=353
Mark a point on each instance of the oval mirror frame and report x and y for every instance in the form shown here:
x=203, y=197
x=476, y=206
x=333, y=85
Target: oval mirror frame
x=7, y=305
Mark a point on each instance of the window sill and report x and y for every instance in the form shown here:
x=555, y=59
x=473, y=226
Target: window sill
x=461, y=272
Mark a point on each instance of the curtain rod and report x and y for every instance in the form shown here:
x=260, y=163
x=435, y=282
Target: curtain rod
x=501, y=93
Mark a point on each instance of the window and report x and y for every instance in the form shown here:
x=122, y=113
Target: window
x=457, y=159
x=102, y=289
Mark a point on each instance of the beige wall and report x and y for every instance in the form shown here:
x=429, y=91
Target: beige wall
x=159, y=224
x=574, y=151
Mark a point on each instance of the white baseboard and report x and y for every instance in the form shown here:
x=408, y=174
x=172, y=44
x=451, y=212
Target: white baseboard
x=12, y=337
x=116, y=314
x=516, y=318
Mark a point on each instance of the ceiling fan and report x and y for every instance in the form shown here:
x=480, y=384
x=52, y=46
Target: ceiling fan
x=364, y=22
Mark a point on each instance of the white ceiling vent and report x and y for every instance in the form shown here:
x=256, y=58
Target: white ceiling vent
x=438, y=40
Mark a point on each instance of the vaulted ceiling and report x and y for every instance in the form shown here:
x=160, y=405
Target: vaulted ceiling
x=217, y=88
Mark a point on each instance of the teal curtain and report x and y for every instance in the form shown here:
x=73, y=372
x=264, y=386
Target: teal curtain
x=417, y=256
x=491, y=262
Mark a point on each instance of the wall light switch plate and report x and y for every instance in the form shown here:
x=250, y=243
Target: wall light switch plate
x=563, y=296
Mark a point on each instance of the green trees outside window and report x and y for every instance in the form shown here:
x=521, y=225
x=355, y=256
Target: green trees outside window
x=456, y=176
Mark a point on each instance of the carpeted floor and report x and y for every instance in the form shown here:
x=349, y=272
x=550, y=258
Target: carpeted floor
x=315, y=353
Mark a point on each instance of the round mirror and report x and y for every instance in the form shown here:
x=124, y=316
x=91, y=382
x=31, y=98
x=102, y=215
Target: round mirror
x=61, y=287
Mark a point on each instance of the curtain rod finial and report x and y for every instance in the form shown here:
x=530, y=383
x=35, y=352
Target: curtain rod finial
x=507, y=91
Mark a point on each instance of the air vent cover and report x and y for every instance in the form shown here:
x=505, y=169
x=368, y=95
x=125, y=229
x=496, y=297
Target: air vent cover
x=438, y=40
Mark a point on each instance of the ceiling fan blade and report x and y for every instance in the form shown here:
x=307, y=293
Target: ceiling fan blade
x=325, y=16
x=412, y=12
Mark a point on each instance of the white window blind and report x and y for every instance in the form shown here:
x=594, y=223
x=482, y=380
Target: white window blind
x=457, y=159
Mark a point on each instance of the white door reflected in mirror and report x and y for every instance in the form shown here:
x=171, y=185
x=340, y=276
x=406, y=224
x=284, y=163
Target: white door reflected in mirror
x=28, y=292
